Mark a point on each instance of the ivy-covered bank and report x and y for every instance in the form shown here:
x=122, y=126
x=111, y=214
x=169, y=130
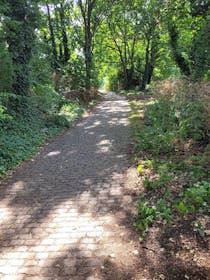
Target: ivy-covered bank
x=37, y=119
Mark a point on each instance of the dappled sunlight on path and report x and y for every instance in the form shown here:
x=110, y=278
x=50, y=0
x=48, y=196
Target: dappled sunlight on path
x=62, y=214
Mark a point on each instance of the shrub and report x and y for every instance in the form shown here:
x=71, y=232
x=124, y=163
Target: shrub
x=47, y=99
x=174, y=116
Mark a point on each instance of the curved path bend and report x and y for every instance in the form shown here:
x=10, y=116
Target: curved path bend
x=62, y=214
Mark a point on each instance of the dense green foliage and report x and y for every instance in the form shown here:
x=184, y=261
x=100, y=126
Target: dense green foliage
x=84, y=43
x=172, y=147
x=23, y=131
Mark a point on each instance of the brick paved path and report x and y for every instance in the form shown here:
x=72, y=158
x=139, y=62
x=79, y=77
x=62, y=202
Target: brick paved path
x=61, y=214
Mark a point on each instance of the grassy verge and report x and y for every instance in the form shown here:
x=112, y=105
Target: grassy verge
x=171, y=134
x=30, y=122
x=172, y=157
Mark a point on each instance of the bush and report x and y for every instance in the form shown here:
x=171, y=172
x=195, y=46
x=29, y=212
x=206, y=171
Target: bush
x=178, y=116
x=47, y=99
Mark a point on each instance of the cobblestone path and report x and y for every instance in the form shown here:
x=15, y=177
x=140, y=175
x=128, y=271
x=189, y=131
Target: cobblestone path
x=62, y=214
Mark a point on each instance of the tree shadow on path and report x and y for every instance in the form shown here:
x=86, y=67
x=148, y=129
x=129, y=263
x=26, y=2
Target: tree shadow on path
x=62, y=210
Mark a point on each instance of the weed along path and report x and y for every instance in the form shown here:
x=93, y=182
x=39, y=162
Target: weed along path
x=63, y=214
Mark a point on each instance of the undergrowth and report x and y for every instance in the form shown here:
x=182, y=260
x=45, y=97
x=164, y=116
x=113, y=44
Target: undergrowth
x=173, y=155
x=38, y=117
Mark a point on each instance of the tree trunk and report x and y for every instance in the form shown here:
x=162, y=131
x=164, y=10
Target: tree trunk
x=150, y=73
x=153, y=57
x=179, y=59
x=145, y=77
x=58, y=32
x=64, y=34
x=52, y=38
x=88, y=56
x=20, y=37
x=86, y=10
